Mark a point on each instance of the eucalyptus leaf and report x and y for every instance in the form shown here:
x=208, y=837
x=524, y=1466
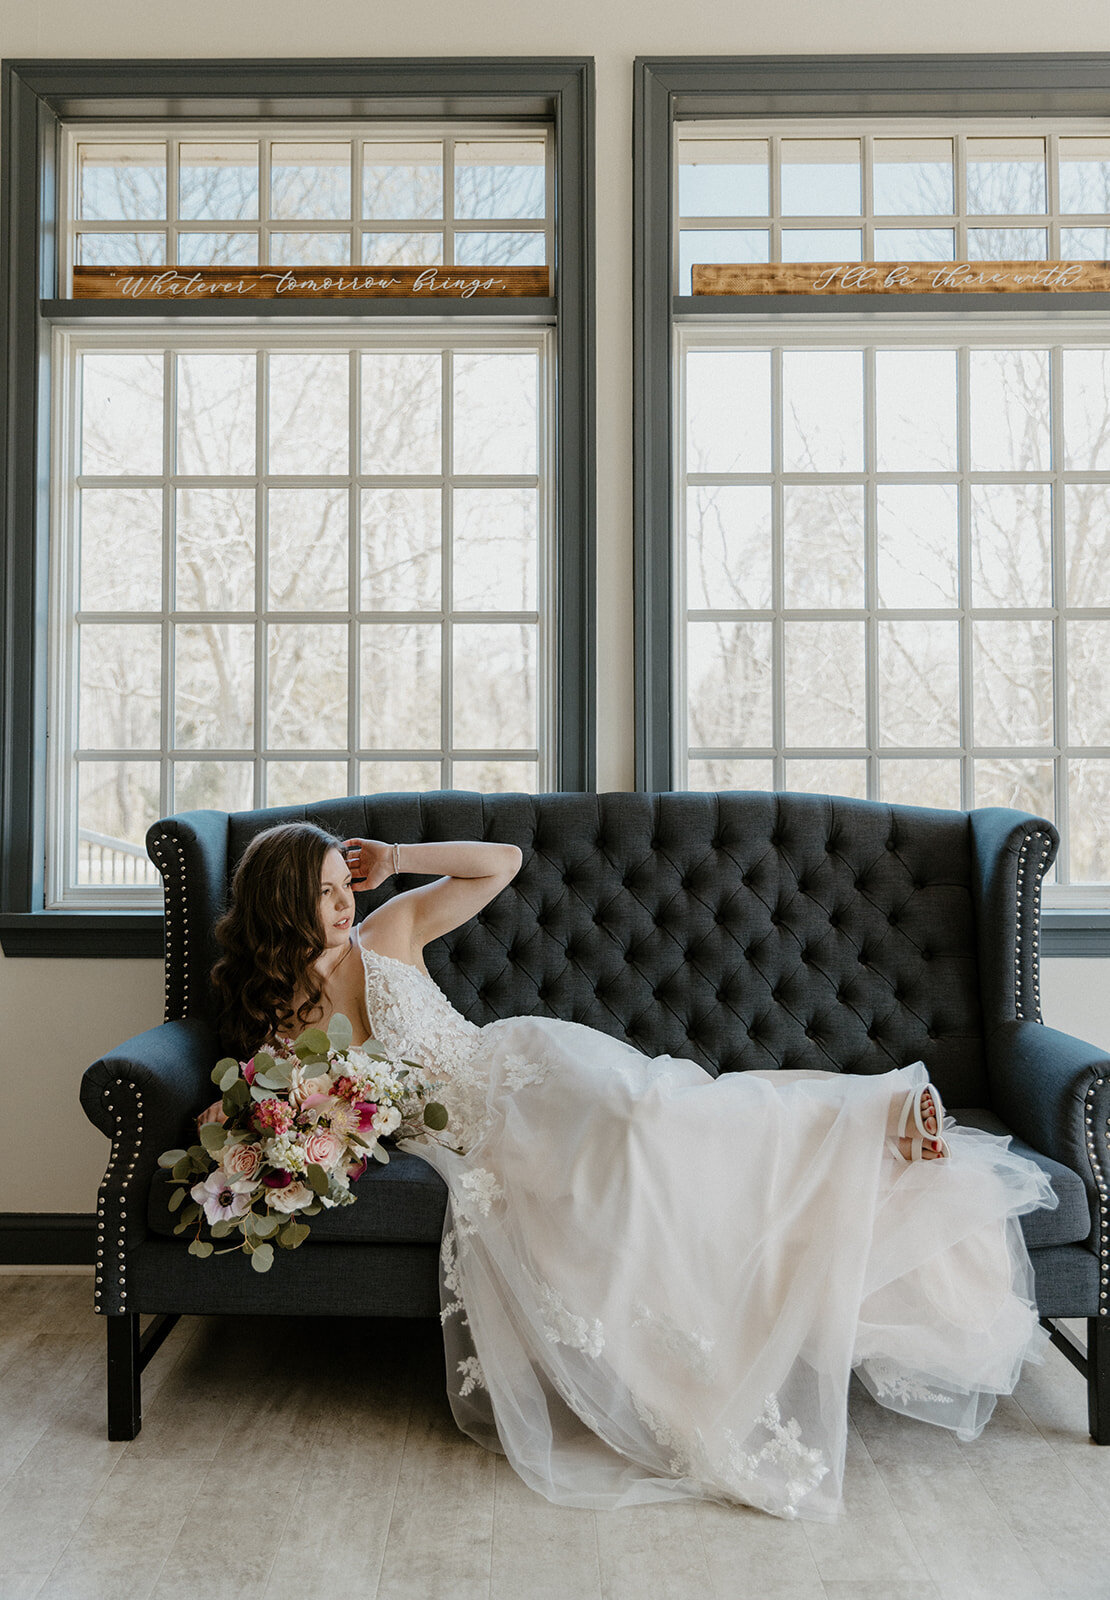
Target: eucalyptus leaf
x=176, y=1200
x=257, y=1093
x=170, y=1158
x=248, y=1223
x=435, y=1116
x=266, y=1227
x=220, y=1230
x=197, y=1152
x=184, y=1225
x=191, y=1212
x=213, y=1137
x=183, y=1169
x=317, y=1178
x=293, y=1234
x=263, y=1258
x=230, y=1076
x=238, y=1096
x=200, y=1247
x=313, y=1042
x=221, y=1067
x=267, y=1080
x=340, y=1032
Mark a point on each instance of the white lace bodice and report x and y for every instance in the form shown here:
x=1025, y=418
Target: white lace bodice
x=410, y=1016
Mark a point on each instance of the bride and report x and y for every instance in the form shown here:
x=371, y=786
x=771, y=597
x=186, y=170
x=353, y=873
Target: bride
x=655, y=1285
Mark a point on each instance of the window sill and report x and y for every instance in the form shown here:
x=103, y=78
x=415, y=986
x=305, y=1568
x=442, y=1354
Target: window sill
x=84, y=934
x=125, y=935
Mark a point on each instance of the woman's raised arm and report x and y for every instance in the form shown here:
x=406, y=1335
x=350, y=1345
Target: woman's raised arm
x=475, y=871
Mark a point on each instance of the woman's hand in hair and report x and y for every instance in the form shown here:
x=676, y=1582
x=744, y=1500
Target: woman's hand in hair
x=370, y=862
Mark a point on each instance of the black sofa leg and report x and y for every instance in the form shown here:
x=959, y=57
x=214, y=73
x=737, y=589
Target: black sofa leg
x=1098, y=1378
x=125, y=1407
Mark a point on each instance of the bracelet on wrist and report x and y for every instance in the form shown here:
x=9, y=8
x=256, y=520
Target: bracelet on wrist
x=396, y=860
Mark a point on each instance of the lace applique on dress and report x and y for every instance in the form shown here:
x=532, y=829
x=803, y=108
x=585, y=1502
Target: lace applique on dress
x=520, y=1073
x=890, y=1384
x=561, y=1325
x=686, y=1346
x=802, y=1466
x=667, y=1437
x=449, y=1266
x=480, y=1189
x=410, y=1015
x=470, y=1370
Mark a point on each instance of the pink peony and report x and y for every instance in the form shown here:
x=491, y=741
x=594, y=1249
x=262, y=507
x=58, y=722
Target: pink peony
x=241, y=1160
x=222, y=1200
x=323, y=1147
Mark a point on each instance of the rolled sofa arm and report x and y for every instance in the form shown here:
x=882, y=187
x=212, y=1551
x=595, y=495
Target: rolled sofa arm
x=1053, y=1091
x=143, y=1095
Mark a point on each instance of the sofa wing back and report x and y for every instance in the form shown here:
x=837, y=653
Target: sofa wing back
x=741, y=930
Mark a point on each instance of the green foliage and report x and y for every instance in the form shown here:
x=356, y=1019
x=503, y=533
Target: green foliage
x=170, y=1158
x=220, y=1230
x=340, y=1032
x=200, y=1247
x=312, y=1045
x=262, y=1259
x=230, y=1076
x=379, y=1155
x=183, y=1169
x=176, y=1200
x=266, y=1227
x=435, y=1116
x=235, y=1098
x=293, y=1234
x=213, y=1137
x=317, y=1178
x=222, y=1067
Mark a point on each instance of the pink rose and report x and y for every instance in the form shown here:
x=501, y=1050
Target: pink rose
x=294, y=1197
x=324, y=1147
x=241, y=1160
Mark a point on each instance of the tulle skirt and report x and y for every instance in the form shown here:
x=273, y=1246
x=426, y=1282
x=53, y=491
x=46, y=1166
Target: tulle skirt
x=656, y=1285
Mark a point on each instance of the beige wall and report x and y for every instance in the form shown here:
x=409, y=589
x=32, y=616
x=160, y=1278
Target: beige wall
x=78, y=1008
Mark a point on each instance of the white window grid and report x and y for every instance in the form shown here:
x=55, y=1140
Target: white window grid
x=361, y=138
x=963, y=334
x=65, y=756
x=959, y=219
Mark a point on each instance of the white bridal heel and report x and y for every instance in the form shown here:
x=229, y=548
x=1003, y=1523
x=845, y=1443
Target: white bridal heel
x=913, y=1112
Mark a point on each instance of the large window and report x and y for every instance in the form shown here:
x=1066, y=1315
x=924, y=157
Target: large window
x=881, y=570
x=287, y=549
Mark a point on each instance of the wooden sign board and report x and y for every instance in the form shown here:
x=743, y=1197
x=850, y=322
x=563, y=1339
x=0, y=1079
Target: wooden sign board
x=308, y=283
x=904, y=277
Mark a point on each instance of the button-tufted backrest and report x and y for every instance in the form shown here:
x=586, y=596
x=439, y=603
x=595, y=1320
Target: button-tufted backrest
x=741, y=930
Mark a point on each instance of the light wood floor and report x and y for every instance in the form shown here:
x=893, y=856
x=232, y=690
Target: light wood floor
x=287, y=1459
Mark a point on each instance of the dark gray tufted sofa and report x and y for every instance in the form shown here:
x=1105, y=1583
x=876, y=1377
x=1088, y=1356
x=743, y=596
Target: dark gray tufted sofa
x=741, y=930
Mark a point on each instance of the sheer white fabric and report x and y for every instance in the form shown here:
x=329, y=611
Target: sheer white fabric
x=656, y=1285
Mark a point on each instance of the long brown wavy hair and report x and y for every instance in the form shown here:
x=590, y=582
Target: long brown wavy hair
x=271, y=937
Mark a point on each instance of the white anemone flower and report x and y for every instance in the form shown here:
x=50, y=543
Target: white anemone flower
x=222, y=1201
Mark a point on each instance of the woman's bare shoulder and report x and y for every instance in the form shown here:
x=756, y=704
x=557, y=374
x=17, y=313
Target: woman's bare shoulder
x=389, y=932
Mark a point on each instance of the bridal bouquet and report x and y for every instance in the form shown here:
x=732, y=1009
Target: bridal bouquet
x=300, y=1125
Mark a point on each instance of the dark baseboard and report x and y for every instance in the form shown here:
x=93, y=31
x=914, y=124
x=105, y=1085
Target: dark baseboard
x=46, y=1238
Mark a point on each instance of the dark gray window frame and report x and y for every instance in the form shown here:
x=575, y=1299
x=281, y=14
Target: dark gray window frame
x=37, y=97
x=673, y=87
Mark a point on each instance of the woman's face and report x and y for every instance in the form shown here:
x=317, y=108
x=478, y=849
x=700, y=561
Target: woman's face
x=337, y=903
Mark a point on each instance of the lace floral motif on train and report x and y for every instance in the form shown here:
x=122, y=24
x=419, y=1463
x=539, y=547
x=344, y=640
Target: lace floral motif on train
x=449, y=1267
x=802, y=1467
x=562, y=1325
x=479, y=1190
x=470, y=1370
x=668, y=1438
x=520, y=1073
x=685, y=1346
x=411, y=1016
x=890, y=1384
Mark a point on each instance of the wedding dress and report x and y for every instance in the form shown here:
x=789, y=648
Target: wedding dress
x=656, y=1284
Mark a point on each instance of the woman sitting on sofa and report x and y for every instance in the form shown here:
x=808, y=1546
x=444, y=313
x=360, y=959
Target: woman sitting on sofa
x=655, y=1284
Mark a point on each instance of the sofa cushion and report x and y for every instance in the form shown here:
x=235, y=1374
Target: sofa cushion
x=402, y=1203
x=1071, y=1221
